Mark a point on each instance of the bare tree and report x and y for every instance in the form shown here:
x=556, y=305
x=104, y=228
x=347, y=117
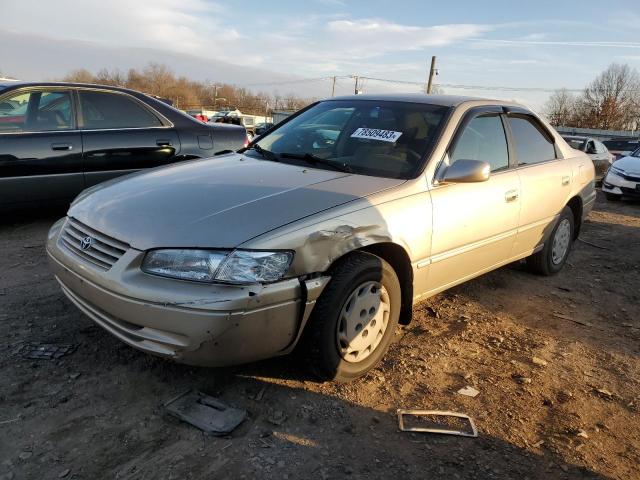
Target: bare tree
x=80, y=76
x=158, y=79
x=611, y=100
x=561, y=108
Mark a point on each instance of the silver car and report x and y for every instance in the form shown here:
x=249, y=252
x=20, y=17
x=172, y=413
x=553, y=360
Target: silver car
x=323, y=233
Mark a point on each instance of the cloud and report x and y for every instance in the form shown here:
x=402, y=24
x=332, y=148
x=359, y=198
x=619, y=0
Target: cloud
x=189, y=26
x=560, y=43
x=332, y=3
x=373, y=37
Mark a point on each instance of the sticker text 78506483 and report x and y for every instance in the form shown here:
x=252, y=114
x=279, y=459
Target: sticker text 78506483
x=376, y=134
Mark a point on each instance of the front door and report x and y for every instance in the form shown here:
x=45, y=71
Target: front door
x=40, y=148
x=121, y=135
x=475, y=224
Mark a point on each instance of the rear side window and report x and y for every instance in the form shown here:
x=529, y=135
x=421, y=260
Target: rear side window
x=113, y=110
x=533, y=144
x=36, y=111
x=483, y=139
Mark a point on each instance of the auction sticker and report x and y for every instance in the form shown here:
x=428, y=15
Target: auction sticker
x=376, y=134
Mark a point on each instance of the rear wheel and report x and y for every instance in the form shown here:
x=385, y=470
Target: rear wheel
x=553, y=256
x=354, y=319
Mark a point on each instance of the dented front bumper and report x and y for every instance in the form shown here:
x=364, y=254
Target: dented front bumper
x=197, y=324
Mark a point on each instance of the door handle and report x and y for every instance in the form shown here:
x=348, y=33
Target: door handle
x=163, y=143
x=61, y=146
x=511, y=196
x=565, y=180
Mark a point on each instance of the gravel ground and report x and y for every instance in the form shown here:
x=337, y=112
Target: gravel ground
x=555, y=361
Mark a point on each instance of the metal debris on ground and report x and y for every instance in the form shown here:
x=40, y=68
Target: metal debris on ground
x=468, y=392
x=205, y=412
x=436, y=413
x=45, y=351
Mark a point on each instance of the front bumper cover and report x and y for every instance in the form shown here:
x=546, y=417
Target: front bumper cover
x=616, y=185
x=197, y=324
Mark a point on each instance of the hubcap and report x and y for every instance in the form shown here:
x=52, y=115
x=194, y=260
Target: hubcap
x=363, y=321
x=561, y=241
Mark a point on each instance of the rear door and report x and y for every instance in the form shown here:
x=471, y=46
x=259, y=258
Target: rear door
x=121, y=134
x=40, y=147
x=545, y=179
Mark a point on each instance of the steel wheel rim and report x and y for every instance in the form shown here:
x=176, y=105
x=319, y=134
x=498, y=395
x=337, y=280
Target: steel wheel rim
x=363, y=320
x=561, y=241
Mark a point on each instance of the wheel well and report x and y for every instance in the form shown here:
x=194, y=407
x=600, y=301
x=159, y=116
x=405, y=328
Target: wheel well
x=575, y=204
x=397, y=257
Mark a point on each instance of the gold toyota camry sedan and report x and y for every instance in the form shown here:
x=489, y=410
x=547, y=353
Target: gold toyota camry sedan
x=324, y=232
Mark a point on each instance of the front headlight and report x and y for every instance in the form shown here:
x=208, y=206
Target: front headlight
x=238, y=266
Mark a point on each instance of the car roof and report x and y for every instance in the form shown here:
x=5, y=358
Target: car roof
x=576, y=137
x=22, y=84
x=443, y=100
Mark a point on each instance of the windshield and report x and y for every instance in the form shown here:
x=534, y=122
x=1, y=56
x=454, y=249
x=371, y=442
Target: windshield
x=577, y=143
x=367, y=137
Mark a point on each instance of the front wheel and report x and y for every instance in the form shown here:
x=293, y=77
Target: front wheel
x=553, y=255
x=354, y=319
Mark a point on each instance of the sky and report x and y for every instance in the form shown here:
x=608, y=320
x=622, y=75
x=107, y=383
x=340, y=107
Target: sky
x=294, y=46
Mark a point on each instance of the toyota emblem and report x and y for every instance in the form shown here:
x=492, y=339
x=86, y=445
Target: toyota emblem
x=86, y=243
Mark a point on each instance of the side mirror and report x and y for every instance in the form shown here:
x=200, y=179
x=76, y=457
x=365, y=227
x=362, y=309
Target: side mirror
x=591, y=149
x=467, y=171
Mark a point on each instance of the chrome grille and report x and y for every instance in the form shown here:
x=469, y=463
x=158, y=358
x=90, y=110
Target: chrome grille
x=102, y=251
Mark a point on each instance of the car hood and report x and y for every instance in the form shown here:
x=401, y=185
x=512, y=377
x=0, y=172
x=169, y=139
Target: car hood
x=628, y=164
x=219, y=202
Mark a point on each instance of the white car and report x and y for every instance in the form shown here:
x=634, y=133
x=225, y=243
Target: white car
x=623, y=178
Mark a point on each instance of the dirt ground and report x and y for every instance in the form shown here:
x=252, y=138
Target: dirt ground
x=556, y=361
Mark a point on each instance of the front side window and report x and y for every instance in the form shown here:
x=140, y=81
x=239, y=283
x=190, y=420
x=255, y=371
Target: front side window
x=102, y=110
x=483, y=139
x=533, y=144
x=36, y=111
x=368, y=137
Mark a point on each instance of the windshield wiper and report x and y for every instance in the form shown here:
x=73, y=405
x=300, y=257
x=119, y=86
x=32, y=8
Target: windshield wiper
x=315, y=160
x=267, y=154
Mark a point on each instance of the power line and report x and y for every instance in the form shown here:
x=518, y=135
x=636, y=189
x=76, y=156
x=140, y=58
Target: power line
x=291, y=82
x=361, y=79
x=484, y=87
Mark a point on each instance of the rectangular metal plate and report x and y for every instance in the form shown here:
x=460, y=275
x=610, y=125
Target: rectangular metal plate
x=206, y=413
x=401, y=423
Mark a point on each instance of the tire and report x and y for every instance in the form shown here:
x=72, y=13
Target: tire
x=613, y=197
x=546, y=261
x=356, y=281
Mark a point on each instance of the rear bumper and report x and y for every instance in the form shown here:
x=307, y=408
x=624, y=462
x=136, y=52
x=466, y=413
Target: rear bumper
x=207, y=325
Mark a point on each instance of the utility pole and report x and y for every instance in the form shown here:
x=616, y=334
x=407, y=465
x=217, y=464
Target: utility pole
x=333, y=87
x=432, y=72
x=215, y=95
